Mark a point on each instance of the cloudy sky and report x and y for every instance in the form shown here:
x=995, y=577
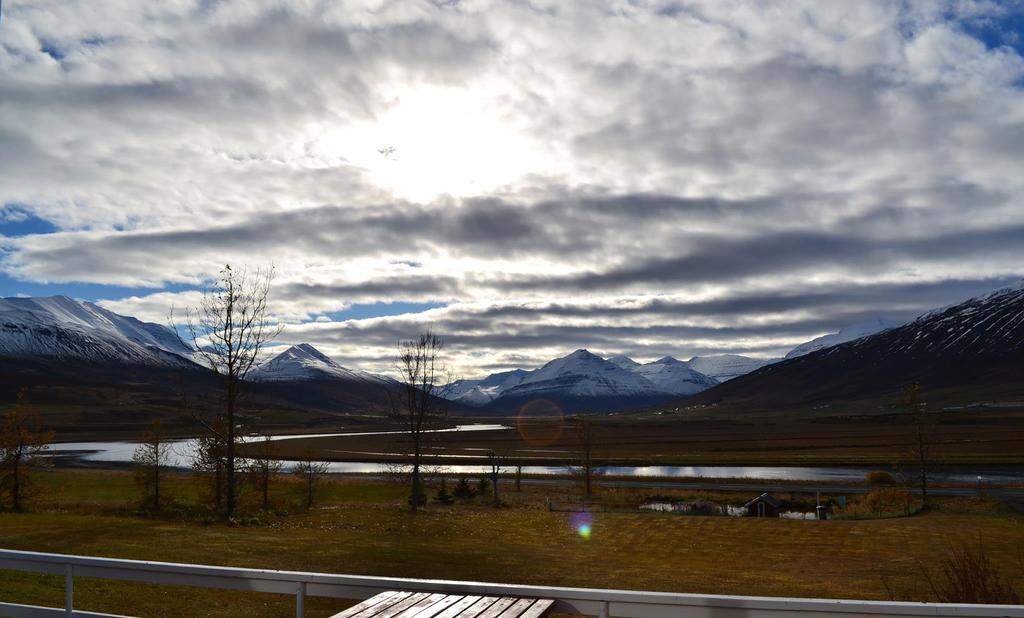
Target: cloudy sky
x=645, y=178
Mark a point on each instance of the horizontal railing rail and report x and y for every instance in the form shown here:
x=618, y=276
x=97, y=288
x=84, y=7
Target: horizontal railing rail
x=585, y=601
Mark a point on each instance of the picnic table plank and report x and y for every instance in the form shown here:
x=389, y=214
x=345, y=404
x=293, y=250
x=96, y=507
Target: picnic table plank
x=422, y=605
x=475, y=609
x=399, y=607
x=455, y=610
x=517, y=608
x=497, y=607
x=447, y=601
x=377, y=603
x=540, y=607
x=399, y=604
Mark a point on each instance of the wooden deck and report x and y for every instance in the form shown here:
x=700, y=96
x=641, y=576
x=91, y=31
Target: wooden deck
x=396, y=604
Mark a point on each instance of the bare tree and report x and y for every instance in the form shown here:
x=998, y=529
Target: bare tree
x=229, y=330
x=495, y=461
x=310, y=470
x=263, y=466
x=21, y=444
x=151, y=457
x=922, y=426
x=424, y=376
x=585, y=439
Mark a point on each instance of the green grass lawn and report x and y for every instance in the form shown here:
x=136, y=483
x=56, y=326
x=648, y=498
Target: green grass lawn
x=361, y=527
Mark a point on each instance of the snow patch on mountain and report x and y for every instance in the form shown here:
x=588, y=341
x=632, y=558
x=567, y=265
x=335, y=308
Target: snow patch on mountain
x=623, y=361
x=483, y=391
x=675, y=376
x=723, y=367
x=845, y=334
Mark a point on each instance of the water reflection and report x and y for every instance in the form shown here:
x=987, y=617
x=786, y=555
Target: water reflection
x=182, y=451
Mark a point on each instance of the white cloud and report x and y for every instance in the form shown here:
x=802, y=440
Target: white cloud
x=576, y=151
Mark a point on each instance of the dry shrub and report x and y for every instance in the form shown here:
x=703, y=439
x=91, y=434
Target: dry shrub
x=967, y=575
x=879, y=477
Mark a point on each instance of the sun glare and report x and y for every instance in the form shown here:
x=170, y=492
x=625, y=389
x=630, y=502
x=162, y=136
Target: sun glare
x=434, y=141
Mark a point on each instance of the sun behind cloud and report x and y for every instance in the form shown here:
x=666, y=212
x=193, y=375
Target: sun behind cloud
x=439, y=140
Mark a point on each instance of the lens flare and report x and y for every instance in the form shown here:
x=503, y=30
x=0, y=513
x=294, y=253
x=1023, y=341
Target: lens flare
x=540, y=422
x=582, y=523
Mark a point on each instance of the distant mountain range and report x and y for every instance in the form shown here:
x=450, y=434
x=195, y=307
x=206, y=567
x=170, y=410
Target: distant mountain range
x=67, y=345
x=77, y=356
x=583, y=381
x=970, y=351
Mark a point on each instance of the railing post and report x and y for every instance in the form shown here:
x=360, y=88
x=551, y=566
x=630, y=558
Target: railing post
x=69, y=589
x=300, y=600
x=604, y=609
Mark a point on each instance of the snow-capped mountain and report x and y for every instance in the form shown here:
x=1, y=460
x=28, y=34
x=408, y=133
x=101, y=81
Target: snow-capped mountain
x=482, y=392
x=586, y=381
x=583, y=381
x=58, y=327
x=847, y=333
x=582, y=374
x=972, y=350
x=724, y=367
x=674, y=376
x=623, y=361
x=304, y=362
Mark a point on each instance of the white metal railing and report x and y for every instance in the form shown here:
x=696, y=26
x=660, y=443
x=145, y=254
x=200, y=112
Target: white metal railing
x=588, y=601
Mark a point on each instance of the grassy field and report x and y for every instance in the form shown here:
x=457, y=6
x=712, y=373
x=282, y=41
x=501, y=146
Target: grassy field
x=361, y=527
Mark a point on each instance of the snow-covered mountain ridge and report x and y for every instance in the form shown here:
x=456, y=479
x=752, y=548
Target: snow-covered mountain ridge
x=582, y=375
x=63, y=328
x=845, y=334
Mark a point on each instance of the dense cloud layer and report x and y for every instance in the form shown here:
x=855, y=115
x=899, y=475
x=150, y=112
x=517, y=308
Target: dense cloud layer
x=646, y=178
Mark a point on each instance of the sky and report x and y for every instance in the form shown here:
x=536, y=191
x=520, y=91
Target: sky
x=526, y=178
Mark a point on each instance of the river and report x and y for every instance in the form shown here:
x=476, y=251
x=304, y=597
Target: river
x=116, y=452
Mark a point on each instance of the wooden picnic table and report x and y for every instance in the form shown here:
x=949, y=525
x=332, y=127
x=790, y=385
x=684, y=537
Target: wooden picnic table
x=398, y=604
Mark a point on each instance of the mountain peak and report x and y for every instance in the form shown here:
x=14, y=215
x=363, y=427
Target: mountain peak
x=583, y=353
x=668, y=360
x=305, y=350
x=623, y=361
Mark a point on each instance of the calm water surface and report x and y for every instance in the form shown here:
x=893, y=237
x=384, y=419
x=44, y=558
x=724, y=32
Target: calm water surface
x=182, y=451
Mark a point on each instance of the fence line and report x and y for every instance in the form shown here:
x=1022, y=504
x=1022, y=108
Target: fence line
x=585, y=601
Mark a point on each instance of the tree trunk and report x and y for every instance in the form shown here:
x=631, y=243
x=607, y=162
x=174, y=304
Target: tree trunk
x=415, y=472
x=494, y=481
x=156, y=481
x=266, y=488
x=229, y=510
x=16, y=482
x=309, y=490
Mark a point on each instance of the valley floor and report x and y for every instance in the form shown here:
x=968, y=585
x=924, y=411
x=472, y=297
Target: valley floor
x=362, y=527
x=975, y=437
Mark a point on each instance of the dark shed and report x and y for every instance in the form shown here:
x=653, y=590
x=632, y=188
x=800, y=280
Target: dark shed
x=763, y=506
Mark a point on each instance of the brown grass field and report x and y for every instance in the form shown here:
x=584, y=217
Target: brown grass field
x=362, y=527
x=987, y=437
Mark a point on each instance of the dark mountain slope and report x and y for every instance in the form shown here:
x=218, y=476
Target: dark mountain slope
x=975, y=348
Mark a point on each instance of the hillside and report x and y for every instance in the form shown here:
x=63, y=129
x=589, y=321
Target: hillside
x=968, y=352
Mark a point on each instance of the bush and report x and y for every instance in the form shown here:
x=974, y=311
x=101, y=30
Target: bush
x=966, y=575
x=442, y=494
x=483, y=486
x=879, y=477
x=462, y=489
